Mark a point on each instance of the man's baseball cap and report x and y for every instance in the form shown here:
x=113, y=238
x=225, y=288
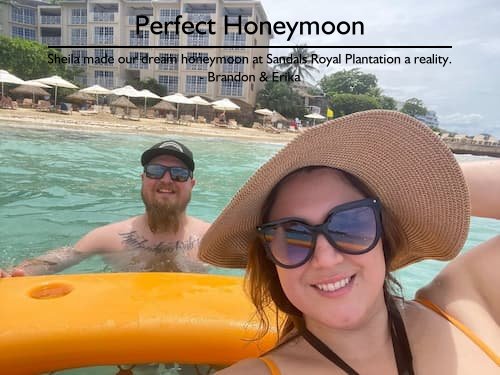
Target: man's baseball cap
x=169, y=147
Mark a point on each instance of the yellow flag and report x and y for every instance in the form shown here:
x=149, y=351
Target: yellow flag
x=329, y=113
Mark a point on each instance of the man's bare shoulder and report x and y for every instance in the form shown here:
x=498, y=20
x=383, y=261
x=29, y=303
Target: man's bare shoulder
x=198, y=226
x=108, y=237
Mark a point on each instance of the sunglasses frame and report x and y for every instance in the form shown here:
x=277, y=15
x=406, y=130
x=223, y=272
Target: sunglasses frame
x=373, y=203
x=165, y=170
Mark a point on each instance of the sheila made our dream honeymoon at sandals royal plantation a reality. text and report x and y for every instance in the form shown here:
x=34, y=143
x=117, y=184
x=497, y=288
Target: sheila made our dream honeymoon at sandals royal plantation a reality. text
x=321, y=226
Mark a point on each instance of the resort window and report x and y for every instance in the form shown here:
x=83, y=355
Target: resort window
x=168, y=15
x=195, y=61
x=171, y=83
x=103, y=55
x=103, y=35
x=79, y=16
x=79, y=55
x=78, y=37
x=198, y=39
x=22, y=32
x=139, y=60
x=104, y=78
x=234, y=39
x=231, y=88
x=169, y=39
x=232, y=65
x=141, y=39
x=196, y=84
x=172, y=61
x=23, y=15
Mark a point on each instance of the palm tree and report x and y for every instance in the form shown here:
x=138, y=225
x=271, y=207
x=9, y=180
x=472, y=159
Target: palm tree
x=300, y=63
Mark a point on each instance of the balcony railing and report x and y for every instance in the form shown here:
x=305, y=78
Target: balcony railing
x=103, y=16
x=51, y=40
x=50, y=20
x=78, y=41
x=169, y=42
x=78, y=20
x=139, y=41
x=103, y=39
x=234, y=19
x=200, y=17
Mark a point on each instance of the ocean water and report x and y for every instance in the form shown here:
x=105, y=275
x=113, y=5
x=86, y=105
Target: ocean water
x=55, y=186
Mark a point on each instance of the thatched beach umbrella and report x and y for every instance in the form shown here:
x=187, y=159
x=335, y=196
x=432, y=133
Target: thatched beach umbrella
x=79, y=97
x=29, y=90
x=164, y=106
x=123, y=102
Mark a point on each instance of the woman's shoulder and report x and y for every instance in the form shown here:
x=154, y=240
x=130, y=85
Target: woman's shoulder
x=465, y=293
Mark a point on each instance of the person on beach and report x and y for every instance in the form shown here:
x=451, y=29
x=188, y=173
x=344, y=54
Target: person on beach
x=164, y=238
x=321, y=226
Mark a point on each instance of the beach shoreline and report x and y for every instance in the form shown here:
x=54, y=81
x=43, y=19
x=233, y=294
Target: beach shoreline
x=107, y=123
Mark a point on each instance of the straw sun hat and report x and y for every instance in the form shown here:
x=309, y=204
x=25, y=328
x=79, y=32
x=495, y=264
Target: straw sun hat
x=408, y=167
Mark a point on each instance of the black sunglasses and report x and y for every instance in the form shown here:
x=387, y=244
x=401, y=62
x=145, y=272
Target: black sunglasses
x=157, y=171
x=351, y=228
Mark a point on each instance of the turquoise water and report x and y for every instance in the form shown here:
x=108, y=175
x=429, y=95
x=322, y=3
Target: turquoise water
x=56, y=186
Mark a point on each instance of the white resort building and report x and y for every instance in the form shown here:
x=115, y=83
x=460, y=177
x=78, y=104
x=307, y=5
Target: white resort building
x=96, y=28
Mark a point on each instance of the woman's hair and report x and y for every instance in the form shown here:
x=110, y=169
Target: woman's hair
x=262, y=280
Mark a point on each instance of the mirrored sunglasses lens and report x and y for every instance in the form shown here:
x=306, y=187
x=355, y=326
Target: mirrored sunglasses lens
x=353, y=230
x=155, y=171
x=179, y=174
x=290, y=244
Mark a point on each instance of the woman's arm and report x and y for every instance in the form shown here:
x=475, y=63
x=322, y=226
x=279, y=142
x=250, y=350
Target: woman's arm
x=483, y=180
x=468, y=287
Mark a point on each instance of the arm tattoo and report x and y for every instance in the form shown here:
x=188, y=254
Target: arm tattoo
x=53, y=261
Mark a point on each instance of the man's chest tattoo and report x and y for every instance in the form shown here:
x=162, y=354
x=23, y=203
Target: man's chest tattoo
x=135, y=241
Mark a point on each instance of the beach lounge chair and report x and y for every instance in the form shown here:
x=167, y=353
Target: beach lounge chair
x=233, y=124
x=43, y=105
x=65, y=109
x=134, y=115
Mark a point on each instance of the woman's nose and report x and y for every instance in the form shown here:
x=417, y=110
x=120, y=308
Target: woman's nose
x=325, y=255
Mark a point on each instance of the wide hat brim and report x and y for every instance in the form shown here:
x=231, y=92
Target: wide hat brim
x=412, y=172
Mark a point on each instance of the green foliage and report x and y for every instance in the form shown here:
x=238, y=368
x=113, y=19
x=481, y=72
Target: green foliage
x=350, y=82
x=150, y=84
x=296, y=68
x=29, y=60
x=345, y=104
x=386, y=102
x=280, y=97
x=414, y=107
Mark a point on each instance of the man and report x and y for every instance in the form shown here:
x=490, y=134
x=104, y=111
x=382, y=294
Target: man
x=164, y=238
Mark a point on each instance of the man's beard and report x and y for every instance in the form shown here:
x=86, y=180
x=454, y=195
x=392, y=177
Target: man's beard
x=164, y=216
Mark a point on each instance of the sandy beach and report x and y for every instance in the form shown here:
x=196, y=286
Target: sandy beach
x=105, y=122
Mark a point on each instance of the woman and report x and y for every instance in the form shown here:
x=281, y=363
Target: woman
x=321, y=225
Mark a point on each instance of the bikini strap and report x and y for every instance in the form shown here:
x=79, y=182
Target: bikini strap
x=400, y=345
x=329, y=354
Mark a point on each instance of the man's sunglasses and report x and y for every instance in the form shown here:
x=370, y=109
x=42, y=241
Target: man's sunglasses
x=351, y=228
x=157, y=171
